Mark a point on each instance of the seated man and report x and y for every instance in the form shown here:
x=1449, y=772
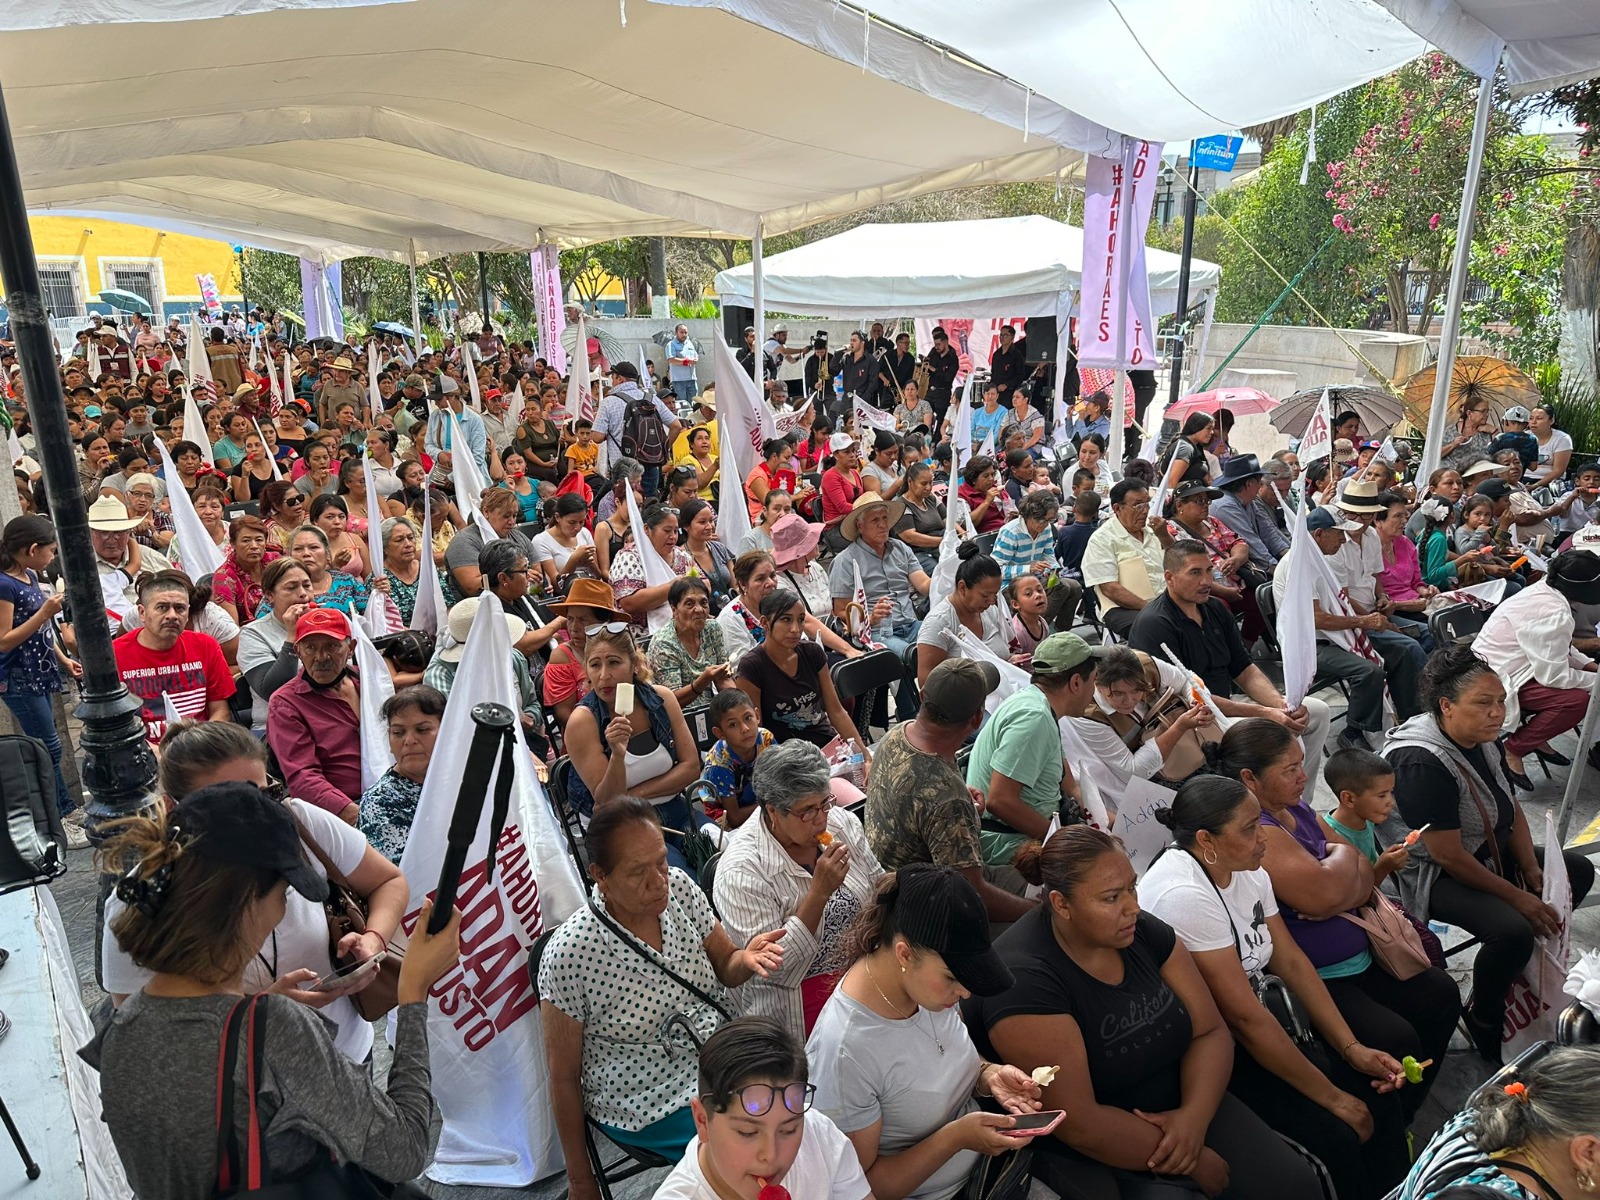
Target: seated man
x=1201, y=631
x=919, y=808
x=889, y=573
x=1123, y=560
x=1360, y=563
x=164, y=661
x=1241, y=482
x=314, y=720
x=1341, y=640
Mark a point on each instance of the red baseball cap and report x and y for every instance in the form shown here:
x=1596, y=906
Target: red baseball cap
x=329, y=622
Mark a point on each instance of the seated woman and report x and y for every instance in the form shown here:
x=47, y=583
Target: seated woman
x=517, y=480
x=1401, y=577
x=619, y=1032
x=919, y=948
x=774, y=473
x=1110, y=997
x=565, y=547
x=755, y=575
x=786, y=676
x=1315, y=881
x=1475, y=864
x=794, y=554
x=648, y=752
x=1092, y=458
x=801, y=864
x=293, y=951
x=635, y=597
x=754, y=1122
x=1116, y=730
x=775, y=507
x=197, y=908
x=921, y=526
x=970, y=606
x=688, y=656
x=236, y=585
x=266, y=645
x=588, y=606
x=981, y=491
x=329, y=588
x=1535, y=1138
x=611, y=527
x=1210, y=888
x=389, y=806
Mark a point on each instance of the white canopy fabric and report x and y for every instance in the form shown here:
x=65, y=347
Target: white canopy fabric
x=1547, y=43
x=329, y=131
x=1003, y=267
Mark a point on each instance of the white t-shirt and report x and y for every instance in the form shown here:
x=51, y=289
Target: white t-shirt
x=1177, y=889
x=824, y=1168
x=1558, y=442
x=300, y=940
x=547, y=549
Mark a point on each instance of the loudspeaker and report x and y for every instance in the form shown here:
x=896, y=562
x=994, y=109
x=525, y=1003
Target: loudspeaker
x=735, y=321
x=1040, y=343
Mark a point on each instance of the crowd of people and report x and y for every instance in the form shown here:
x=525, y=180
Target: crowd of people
x=904, y=945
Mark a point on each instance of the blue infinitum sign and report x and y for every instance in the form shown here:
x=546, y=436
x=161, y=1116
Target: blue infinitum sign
x=1218, y=152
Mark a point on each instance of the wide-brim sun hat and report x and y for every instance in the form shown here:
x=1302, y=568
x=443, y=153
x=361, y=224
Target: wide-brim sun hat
x=793, y=537
x=848, y=527
x=110, y=515
x=462, y=617
x=590, y=593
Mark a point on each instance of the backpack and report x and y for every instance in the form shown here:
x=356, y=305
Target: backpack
x=33, y=849
x=644, y=437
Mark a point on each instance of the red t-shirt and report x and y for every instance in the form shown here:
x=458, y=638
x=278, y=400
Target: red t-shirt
x=193, y=673
x=839, y=492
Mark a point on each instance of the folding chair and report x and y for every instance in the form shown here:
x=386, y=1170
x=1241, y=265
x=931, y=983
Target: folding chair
x=555, y=789
x=699, y=719
x=1267, y=602
x=633, y=1161
x=860, y=678
x=1458, y=623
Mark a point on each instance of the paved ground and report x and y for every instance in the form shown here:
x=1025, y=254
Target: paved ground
x=1463, y=1070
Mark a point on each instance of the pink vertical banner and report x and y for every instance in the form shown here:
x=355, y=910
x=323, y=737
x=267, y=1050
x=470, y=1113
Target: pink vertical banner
x=546, y=260
x=1115, y=329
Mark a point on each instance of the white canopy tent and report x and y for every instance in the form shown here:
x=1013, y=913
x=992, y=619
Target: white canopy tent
x=1002, y=267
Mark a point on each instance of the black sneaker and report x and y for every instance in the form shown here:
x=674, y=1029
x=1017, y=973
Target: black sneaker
x=1352, y=739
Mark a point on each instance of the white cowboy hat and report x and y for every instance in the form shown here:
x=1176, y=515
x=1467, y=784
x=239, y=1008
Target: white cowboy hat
x=110, y=515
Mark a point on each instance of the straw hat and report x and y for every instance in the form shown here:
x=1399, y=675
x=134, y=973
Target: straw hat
x=866, y=500
x=110, y=515
x=1360, y=496
x=342, y=364
x=461, y=619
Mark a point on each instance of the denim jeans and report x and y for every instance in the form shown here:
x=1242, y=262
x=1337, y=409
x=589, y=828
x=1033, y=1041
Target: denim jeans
x=651, y=483
x=900, y=638
x=36, y=720
x=685, y=390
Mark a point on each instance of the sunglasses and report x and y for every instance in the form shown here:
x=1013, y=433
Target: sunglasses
x=757, y=1099
x=608, y=626
x=294, y=501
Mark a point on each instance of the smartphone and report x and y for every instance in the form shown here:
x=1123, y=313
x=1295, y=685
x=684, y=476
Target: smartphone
x=344, y=977
x=623, y=705
x=1035, y=1124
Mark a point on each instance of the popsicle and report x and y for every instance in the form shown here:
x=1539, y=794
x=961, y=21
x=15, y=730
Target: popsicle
x=1411, y=838
x=771, y=1191
x=623, y=705
x=1045, y=1076
x=824, y=839
x=1414, y=1069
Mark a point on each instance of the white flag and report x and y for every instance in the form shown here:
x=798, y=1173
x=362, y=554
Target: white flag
x=92, y=360
x=1297, y=630
x=484, y=1036
x=377, y=685
x=860, y=611
x=374, y=396
x=868, y=417
x=469, y=484
x=1317, y=441
x=741, y=417
x=14, y=445
x=255, y=351
x=961, y=430
x=1537, y=997
x=644, y=369
x=987, y=450
x=194, y=430
x=375, y=525
x=271, y=457
x=198, y=553
x=656, y=571
x=580, y=400
x=288, y=377
x=199, y=360
x=429, y=615
x=275, y=384
x=470, y=370
x=1012, y=677
x=169, y=709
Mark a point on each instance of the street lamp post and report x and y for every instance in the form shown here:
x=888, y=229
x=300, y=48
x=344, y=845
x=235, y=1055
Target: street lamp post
x=1180, y=342
x=119, y=768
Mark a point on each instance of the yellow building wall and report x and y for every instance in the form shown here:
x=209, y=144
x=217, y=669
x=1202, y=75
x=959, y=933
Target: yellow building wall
x=92, y=243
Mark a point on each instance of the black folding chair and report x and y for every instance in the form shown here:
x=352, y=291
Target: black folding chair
x=1458, y=623
x=861, y=678
x=699, y=719
x=1267, y=602
x=555, y=789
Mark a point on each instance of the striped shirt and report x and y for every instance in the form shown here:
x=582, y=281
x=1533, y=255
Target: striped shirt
x=1016, y=550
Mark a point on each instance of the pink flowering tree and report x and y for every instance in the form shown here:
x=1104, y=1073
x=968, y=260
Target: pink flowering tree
x=1399, y=187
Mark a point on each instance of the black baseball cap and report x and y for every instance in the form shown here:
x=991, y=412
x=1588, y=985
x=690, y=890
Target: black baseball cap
x=239, y=823
x=937, y=909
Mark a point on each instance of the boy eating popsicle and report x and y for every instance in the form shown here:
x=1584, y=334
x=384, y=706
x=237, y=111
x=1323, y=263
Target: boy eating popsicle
x=1364, y=783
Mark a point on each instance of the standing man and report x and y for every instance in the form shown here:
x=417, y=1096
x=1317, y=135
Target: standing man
x=339, y=388
x=625, y=399
x=1008, y=367
x=314, y=720
x=751, y=358
x=778, y=352
x=164, y=659
x=944, y=364
x=896, y=368
x=441, y=430
x=860, y=373
x=682, y=355
x=878, y=343
x=819, y=370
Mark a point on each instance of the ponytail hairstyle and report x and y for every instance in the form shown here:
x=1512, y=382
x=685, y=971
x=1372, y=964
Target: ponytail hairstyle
x=976, y=566
x=1204, y=803
x=22, y=533
x=1553, y=1099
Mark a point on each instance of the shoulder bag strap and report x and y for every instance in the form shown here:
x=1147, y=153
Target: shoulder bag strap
x=227, y=1135
x=632, y=944
x=336, y=875
x=1226, y=911
x=1488, y=824
x=256, y=1169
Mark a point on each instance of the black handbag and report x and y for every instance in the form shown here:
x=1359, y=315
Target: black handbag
x=1001, y=1177
x=251, y=1175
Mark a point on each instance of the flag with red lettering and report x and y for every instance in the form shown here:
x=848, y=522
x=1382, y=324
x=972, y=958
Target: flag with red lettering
x=484, y=1033
x=1536, y=998
x=1115, y=329
x=1317, y=441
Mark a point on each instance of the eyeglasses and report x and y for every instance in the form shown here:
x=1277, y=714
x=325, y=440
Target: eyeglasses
x=294, y=501
x=811, y=814
x=276, y=789
x=608, y=626
x=757, y=1099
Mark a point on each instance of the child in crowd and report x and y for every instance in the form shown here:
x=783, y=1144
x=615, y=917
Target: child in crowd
x=755, y=1127
x=1364, y=783
x=1028, y=600
x=1477, y=524
x=1585, y=507
x=583, y=456
x=731, y=763
x=1074, y=539
x=1042, y=481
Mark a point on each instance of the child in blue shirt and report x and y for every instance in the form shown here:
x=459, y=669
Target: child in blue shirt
x=1364, y=783
x=731, y=763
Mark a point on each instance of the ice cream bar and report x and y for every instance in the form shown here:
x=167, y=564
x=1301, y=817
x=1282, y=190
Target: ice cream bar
x=1045, y=1076
x=1411, y=838
x=623, y=705
x=824, y=839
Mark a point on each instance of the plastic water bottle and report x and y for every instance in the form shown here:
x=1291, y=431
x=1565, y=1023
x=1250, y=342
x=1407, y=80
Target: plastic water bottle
x=858, y=765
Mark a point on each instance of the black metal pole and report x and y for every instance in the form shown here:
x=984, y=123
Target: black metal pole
x=483, y=283
x=1190, y=200
x=119, y=769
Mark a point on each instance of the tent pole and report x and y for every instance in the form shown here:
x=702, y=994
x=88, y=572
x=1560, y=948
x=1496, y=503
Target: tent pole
x=1580, y=761
x=758, y=295
x=1450, y=329
x=1190, y=200
x=119, y=768
x=416, y=304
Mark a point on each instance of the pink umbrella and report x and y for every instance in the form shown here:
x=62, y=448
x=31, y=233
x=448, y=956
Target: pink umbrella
x=1241, y=402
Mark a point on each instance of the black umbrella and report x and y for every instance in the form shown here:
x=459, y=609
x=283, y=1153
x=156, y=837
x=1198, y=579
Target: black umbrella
x=1378, y=410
